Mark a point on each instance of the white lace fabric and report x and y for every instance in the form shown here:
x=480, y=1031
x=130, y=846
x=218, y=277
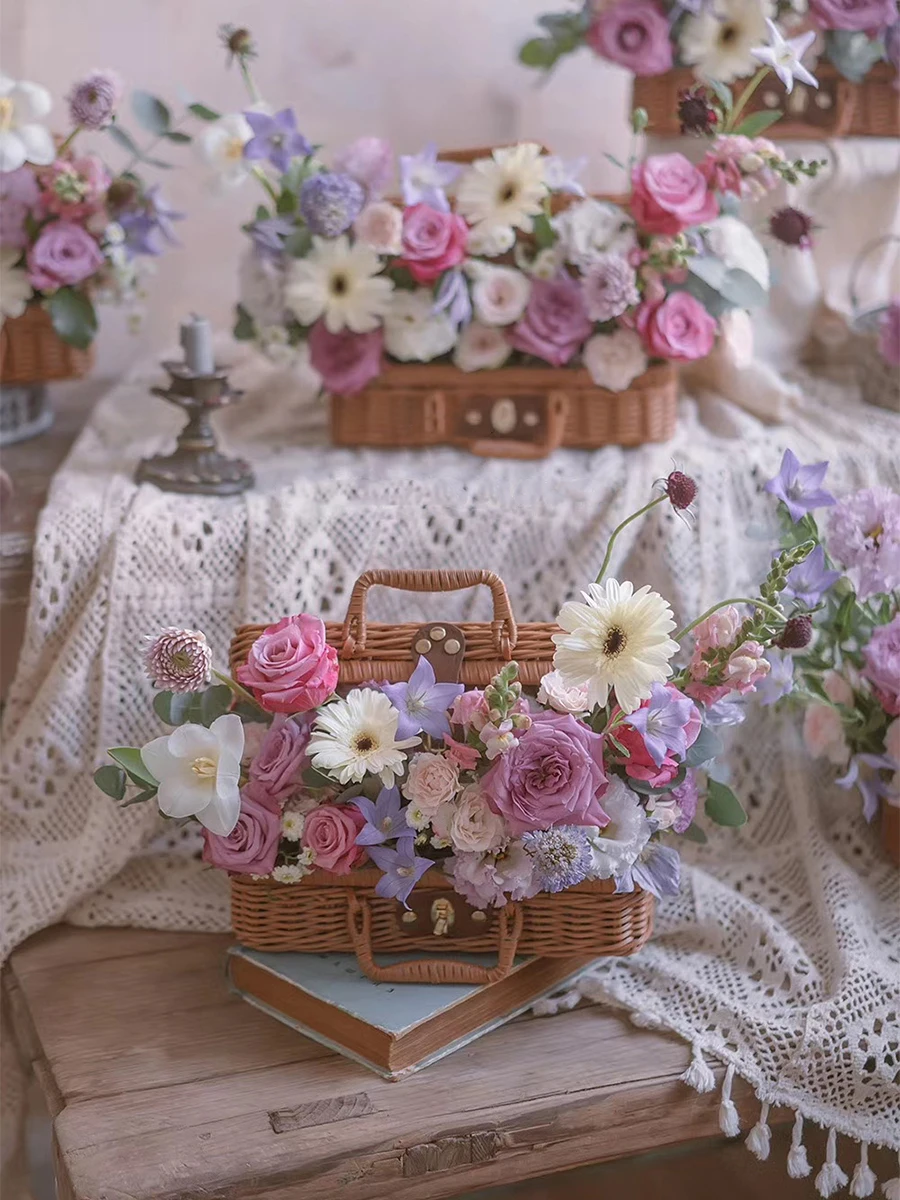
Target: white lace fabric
x=781, y=954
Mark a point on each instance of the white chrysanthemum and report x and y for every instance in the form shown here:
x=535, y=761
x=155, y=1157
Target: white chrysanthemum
x=618, y=845
x=504, y=191
x=614, y=359
x=292, y=825
x=719, y=40
x=340, y=282
x=590, y=229
x=481, y=347
x=737, y=246
x=413, y=330
x=617, y=640
x=488, y=241
x=357, y=736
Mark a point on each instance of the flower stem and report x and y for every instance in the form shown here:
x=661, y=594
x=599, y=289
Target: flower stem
x=745, y=97
x=68, y=142
x=252, y=91
x=774, y=612
x=260, y=174
x=618, y=529
x=237, y=689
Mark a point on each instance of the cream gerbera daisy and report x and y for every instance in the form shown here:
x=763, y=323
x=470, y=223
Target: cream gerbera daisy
x=719, y=41
x=339, y=282
x=358, y=736
x=617, y=640
x=505, y=190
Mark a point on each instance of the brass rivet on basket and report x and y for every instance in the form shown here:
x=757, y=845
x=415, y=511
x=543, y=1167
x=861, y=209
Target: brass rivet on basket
x=408, y=918
x=770, y=99
x=478, y=915
x=473, y=416
x=438, y=633
x=422, y=646
x=452, y=646
x=531, y=419
x=823, y=100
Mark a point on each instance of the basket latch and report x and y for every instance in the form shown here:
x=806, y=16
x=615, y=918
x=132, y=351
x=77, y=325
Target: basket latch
x=444, y=646
x=443, y=915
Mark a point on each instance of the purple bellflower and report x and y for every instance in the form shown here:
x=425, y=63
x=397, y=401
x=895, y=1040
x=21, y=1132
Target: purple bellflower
x=385, y=818
x=661, y=723
x=402, y=867
x=422, y=703
x=871, y=786
x=779, y=680
x=799, y=487
x=150, y=225
x=658, y=870
x=810, y=580
x=275, y=139
x=268, y=235
x=423, y=179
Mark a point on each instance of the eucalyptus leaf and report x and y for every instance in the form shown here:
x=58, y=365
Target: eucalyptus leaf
x=853, y=53
x=162, y=706
x=73, y=317
x=147, y=794
x=123, y=139
x=130, y=758
x=203, y=112
x=298, y=243
x=157, y=162
x=742, y=290
x=754, y=124
x=111, y=780
x=708, y=745
x=542, y=53
x=544, y=233
x=723, y=94
x=244, y=329
x=694, y=833
x=723, y=806
x=151, y=113
x=215, y=702
x=176, y=136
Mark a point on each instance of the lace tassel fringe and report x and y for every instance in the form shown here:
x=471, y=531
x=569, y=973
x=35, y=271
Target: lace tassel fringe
x=797, y=1162
x=759, y=1139
x=863, y=1182
x=698, y=1075
x=729, y=1122
x=891, y=1189
x=830, y=1178
x=551, y=1005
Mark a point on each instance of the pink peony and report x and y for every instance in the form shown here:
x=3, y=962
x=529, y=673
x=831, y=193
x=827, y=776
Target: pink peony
x=889, y=334
x=555, y=323
x=277, y=764
x=370, y=161
x=330, y=834
x=75, y=189
x=882, y=669
x=347, y=361
x=64, y=254
x=679, y=328
x=864, y=16
x=291, y=668
x=746, y=667
x=635, y=34
x=252, y=846
x=553, y=776
x=19, y=199
x=433, y=242
x=669, y=194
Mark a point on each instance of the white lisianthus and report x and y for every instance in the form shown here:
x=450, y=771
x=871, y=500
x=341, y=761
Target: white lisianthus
x=614, y=359
x=23, y=138
x=618, y=845
x=199, y=772
x=507, y=189
x=561, y=698
x=487, y=241
x=15, y=287
x=380, y=225
x=591, y=228
x=735, y=244
x=719, y=40
x=413, y=330
x=500, y=294
x=481, y=348
x=220, y=146
x=341, y=283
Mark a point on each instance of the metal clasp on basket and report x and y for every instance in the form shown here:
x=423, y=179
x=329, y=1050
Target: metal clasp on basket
x=442, y=916
x=444, y=645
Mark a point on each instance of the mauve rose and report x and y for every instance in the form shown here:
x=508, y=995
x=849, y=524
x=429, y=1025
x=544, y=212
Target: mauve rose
x=882, y=669
x=64, y=254
x=277, y=764
x=347, y=361
x=432, y=242
x=330, y=833
x=291, y=668
x=866, y=16
x=669, y=194
x=635, y=34
x=555, y=323
x=679, y=329
x=252, y=846
x=640, y=764
x=553, y=776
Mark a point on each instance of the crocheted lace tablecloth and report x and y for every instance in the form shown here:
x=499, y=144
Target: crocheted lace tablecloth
x=780, y=956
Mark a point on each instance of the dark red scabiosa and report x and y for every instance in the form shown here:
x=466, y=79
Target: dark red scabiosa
x=238, y=42
x=696, y=113
x=680, y=489
x=797, y=633
x=792, y=227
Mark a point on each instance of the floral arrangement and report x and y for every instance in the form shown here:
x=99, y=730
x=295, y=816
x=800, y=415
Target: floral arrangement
x=508, y=794
x=72, y=230
x=720, y=39
x=848, y=680
x=505, y=260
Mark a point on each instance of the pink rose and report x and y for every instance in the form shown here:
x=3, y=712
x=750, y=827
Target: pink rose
x=889, y=334
x=746, y=667
x=277, y=764
x=555, y=323
x=679, y=329
x=433, y=241
x=347, y=361
x=669, y=194
x=865, y=16
x=75, y=189
x=64, y=254
x=635, y=34
x=291, y=668
x=432, y=780
x=882, y=669
x=252, y=846
x=330, y=833
x=553, y=775
x=640, y=764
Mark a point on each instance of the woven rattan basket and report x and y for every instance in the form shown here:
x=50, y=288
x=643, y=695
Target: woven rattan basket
x=879, y=380
x=31, y=351
x=837, y=108
x=326, y=913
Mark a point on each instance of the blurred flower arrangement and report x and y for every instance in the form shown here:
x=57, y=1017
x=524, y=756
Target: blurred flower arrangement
x=848, y=680
x=509, y=794
x=501, y=261
x=73, y=230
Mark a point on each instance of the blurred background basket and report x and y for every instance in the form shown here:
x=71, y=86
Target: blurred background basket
x=879, y=380
x=31, y=351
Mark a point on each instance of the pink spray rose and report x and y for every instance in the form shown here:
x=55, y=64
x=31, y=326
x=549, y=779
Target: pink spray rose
x=347, y=361
x=76, y=188
x=291, y=668
x=635, y=34
x=882, y=668
x=555, y=323
x=640, y=764
x=277, y=764
x=889, y=334
x=64, y=254
x=865, y=16
x=252, y=846
x=433, y=242
x=330, y=833
x=553, y=776
x=19, y=198
x=669, y=194
x=679, y=328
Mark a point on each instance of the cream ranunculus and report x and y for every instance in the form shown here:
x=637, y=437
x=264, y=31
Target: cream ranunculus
x=380, y=225
x=220, y=146
x=199, y=772
x=615, y=359
x=481, y=347
x=500, y=294
x=413, y=330
x=473, y=827
x=23, y=138
x=432, y=781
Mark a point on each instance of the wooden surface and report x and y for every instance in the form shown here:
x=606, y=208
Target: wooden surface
x=163, y=1086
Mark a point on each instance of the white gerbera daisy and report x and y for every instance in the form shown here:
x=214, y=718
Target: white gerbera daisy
x=505, y=190
x=617, y=640
x=719, y=41
x=358, y=736
x=339, y=282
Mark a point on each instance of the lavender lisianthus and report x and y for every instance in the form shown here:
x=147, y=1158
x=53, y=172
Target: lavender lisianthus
x=453, y=297
x=424, y=180
x=869, y=782
x=800, y=487
x=330, y=203
x=610, y=287
x=685, y=796
x=93, y=100
x=562, y=856
x=864, y=537
x=810, y=580
x=275, y=139
x=423, y=703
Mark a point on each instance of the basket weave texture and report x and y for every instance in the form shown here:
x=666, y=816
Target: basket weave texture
x=31, y=351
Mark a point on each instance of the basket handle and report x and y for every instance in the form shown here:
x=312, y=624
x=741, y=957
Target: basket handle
x=433, y=970
x=867, y=249
x=354, y=635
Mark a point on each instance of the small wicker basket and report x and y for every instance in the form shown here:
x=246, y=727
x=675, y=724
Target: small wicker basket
x=31, y=351
x=879, y=380
x=326, y=913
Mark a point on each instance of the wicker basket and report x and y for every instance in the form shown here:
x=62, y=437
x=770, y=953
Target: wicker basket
x=837, y=108
x=340, y=913
x=890, y=830
x=879, y=381
x=31, y=351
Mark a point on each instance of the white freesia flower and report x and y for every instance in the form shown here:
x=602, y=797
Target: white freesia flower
x=488, y=241
x=220, y=145
x=738, y=248
x=500, y=294
x=357, y=736
x=481, y=347
x=413, y=330
x=15, y=288
x=199, y=772
x=618, y=639
x=719, y=40
x=561, y=698
x=614, y=359
x=23, y=138
x=618, y=845
x=592, y=228
x=340, y=282
x=504, y=191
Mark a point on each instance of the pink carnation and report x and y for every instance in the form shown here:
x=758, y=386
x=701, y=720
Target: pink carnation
x=679, y=328
x=347, y=361
x=291, y=668
x=330, y=833
x=252, y=846
x=669, y=195
x=555, y=324
x=635, y=34
x=433, y=242
x=64, y=254
x=494, y=878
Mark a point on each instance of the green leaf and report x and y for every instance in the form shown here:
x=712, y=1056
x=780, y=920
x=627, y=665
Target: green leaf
x=624, y=751
x=544, y=233
x=286, y=204
x=853, y=53
x=541, y=53
x=124, y=139
x=707, y=746
x=147, y=794
x=130, y=758
x=694, y=833
x=313, y=778
x=723, y=94
x=182, y=139
x=204, y=113
x=162, y=706
x=111, y=780
x=73, y=317
x=723, y=806
x=214, y=703
x=244, y=329
x=151, y=113
x=298, y=243
x=156, y=162
x=755, y=123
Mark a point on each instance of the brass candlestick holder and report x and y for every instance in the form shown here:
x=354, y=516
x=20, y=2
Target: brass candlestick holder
x=196, y=465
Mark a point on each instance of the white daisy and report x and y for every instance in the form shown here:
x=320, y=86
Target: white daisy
x=339, y=282
x=294, y=872
x=505, y=190
x=617, y=640
x=719, y=41
x=358, y=736
x=292, y=825
x=413, y=330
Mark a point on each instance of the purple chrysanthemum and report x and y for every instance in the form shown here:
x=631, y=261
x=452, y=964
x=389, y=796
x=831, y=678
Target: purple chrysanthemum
x=330, y=203
x=610, y=287
x=93, y=101
x=562, y=856
x=864, y=536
